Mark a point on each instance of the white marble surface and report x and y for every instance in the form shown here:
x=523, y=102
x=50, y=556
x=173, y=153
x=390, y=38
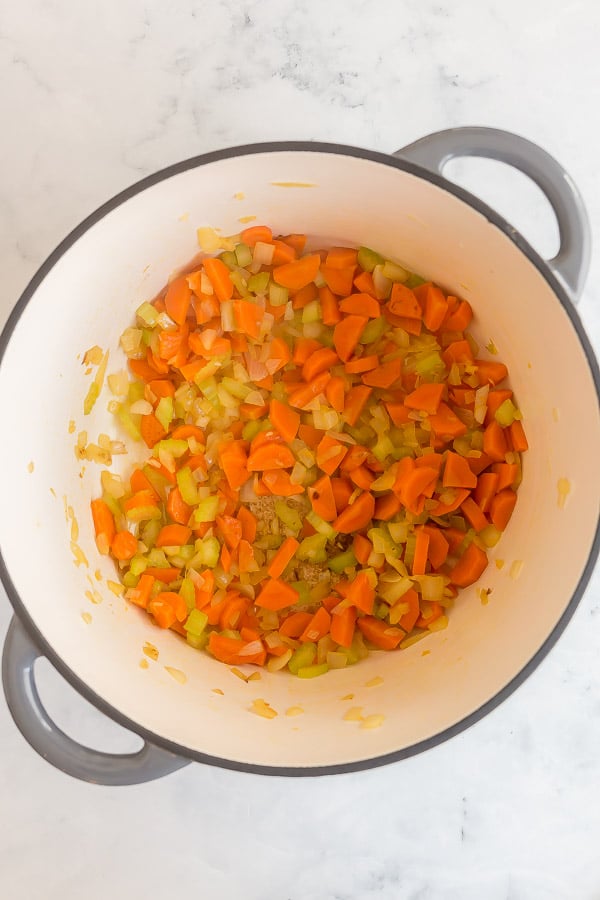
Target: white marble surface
x=91, y=100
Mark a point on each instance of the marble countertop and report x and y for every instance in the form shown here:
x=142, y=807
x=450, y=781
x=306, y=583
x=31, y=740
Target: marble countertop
x=94, y=100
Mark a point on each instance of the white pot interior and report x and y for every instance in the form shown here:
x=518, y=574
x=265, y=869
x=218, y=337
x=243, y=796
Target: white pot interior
x=89, y=296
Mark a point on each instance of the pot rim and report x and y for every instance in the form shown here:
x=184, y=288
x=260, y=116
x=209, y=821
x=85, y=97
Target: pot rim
x=493, y=218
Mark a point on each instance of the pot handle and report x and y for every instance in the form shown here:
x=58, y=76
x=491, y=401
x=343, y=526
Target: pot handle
x=571, y=263
x=47, y=739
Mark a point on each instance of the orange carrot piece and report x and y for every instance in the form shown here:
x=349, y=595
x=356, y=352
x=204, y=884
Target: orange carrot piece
x=507, y=475
x=362, y=548
x=438, y=546
x=294, y=624
x=177, y=508
x=173, y=536
x=330, y=311
x=339, y=280
x=140, y=482
x=175, y=601
x=330, y=453
x=183, y=432
x=487, y=486
x=384, y=375
x=234, y=462
x=297, y=274
x=303, y=349
x=436, y=307
x=341, y=257
x=248, y=317
x=361, y=305
x=442, y=509
x=280, y=484
x=141, y=369
x=283, y=253
x=296, y=241
x=177, y=299
x=435, y=612
x=335, y=393
x=246, y=561
x=474, y=514
x=342, y=626
x=446, y=424
x=382, y=635
x=346, y=335
x=517, y=437
x=270, y=456
x=234, y=651
x=362, y=477
x=430, y=461
x=490, y=372
x=355, y=457
x=304, y=296
x=218, y=275
x=469, y=567
x=140, y=594
x=478, y=463
x=342, y=491
x=167, y=575
x=360, y=593
x=386, y=507
x=457, y=472
x=426, y=397
x=403, y=302
x=364, y=283
x=310, y=435
x=256, y=233
x=494, y=442
x=320, y=361
x=304, y=395
x=357, y=516
x=360, y=364
x=355, y=402
x=230, y=530
x=151, y=429
x=232, y=612
x=226, y=558
x=399, y=413
x=457, y=352
x=283, y=556
x=275, y=595
x=104, y=525
x=501, y=508
x=460, y=317
x=318, y=626
x=322, y=500
x=284, y=419
x=409, y=619
x=495, y=399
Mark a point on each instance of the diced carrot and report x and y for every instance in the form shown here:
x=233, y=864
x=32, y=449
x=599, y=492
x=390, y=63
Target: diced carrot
x=294, y=624
x=330, y=311
x=490, y=372
x=342, y=626
x=438, y=546
x=355, y=402
x=256, y=233
x=104, y=525
x=218, y=275
x=140, y=594
x=517, y=437
x=442, y=509
x=346, y=335
x=183, y=432
x=487, y=485
x=457, y=352
x=342, y=491
x=408, y=619
x=421, y=553
x=297, y=241
x=474, y=514
x=304, y=395
x=436, y=307
x=341, y=257
x=361, y=594
x=318, y=626
x=460, y=317
x=167, y=575
x=230, y=530
x=382, y=635
x=494, y=442
x=362, y=548
x=335, y=393
x=364, y=283
x=140, y=482
x=403, y=302
x=362, y=477
x=446, y=424
x=234, y=462
x=231, y=650
x=284, y=555
x=399, y=413
x=280, y=484
x=304, y=296
x=426, y=397
x=170, y=342
x=177, y=299
x=320, y=361
x=354, y=458
x=361, y=305
x=232, y=613
x=501, y=508
x=177, y=508
x=284, y=419
x=507, y=475
x=436, y=610
x=430, y=461
x=339, y=280
x=297, y=274
x=141, y=369
x=386, y=507
x=248, y=317
x=246, y=561
x=310, y=435
x=173, y=535
x=270, y=456
x=322, y=500
x=470, y=566
x=384, y=375
x=330, y=453
x=359, y=364
x=151, y=429
x=477, y=464
x=356, y=516
x=457, y=472
x=275, y=595
x=283, y=253
x=495, y=399
x=303, y=349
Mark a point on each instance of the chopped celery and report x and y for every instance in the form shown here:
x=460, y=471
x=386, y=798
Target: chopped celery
x=135, y=391
x=243, y=254
x=240, y=283
x=164, y=412
x=303, y=590
x=147, y=336
x=199, y=641
x=312, y=671
x=206, y=510
x=279, y=392
x=131, y=423
x=290, y=517
x=312, y=312
x=188, y=593
x=342, y=561
x=362, y=435
x=157, y=557
x=112, y=503
x=130, y=580
x=174, y=446
x=147, y=313
x=150, y=531
x=208, y=386
x=138, y=564
x=368, y=259
x=381, y=611
x=414, y=281
x=506, y=413
x=399, y=531
x=258, y=284
x=196, y=622
x=394, y=272
x=269, y=542
x=278, y=295
x=392, y=591
x=430, y=363
x=312, y=549
x=207, y=553
x=375, y=329
x=320, y=525
x=383, y=448
x=251, y=429
x=229, y=258
x=187, y=486
x=236, y=389
x=141, y=513
x=303, y=657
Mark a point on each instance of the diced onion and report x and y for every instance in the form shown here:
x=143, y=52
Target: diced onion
x=263, y=254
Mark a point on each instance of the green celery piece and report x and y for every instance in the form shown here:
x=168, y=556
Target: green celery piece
x=312, y=671
x=278, y=295
x=234, y=388
x=187, y=486
x=243, y=254
x=364, y=434
x=414, y=281
x=112, y=504
x=208, y=386
x=240, y=283
x=303, y=590
x=131, y=423
x=174, y=446
x=342, y=561
x=312, y=549
x=250, y=430
x=229, y=258
x=429, y=363
x=198, y=642
x=279, y=392
x=137, y=565
x=196, y=622
x=150, y=531
x=188, y=593
x=258, y=284
x=147, y=313
x=184, y=553
x=158, y=558
x=374, y=330
x=164, y=412
x=394, y=272
x=368, y=259
x=206, y=510
x=312, y=312
x=147, y=336
x=506, y=413
x=381, y=611
x=302, y=657
x=269, y=542
x=383, y=448
x=130, y=580
x=135, y=391
x=208, y=553
x=290, y=517
x=320, y=525
x=142, y=513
